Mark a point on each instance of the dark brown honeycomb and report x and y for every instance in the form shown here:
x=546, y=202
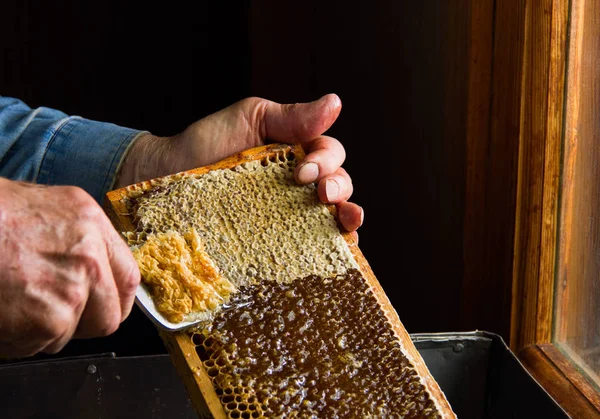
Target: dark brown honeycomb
x=310, y=348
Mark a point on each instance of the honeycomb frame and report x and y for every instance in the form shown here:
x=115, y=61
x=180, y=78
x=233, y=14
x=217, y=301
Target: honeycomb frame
x=180, y=345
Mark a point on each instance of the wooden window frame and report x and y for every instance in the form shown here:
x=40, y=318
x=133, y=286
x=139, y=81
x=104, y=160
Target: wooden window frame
x=546, y=48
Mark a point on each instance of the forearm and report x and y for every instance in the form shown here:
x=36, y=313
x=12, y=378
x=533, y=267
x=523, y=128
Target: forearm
x=47, y=146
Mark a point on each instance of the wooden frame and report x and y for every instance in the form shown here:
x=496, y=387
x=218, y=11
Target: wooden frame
x=179, y=344
x=539, y=173
x=562, y=380
x=542, y=124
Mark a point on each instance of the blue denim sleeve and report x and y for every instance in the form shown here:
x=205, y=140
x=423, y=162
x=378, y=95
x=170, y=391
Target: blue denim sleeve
x=47, y=146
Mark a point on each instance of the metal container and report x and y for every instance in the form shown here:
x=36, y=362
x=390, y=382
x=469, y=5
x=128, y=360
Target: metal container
x=480, y=376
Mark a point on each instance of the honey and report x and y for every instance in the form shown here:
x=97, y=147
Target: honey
x=310, y=348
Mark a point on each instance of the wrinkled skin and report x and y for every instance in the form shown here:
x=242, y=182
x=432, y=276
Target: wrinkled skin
x=66, y=273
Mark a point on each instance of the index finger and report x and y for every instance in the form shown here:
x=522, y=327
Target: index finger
x=124, y=268
x=324, y=156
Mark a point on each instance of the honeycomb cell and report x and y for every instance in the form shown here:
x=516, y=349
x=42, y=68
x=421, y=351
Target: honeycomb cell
x=198, y=339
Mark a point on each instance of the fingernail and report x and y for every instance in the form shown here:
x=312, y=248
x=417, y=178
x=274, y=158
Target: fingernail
x=332, y=190
x=336, y=101
x=308, y=173
x=362, y=215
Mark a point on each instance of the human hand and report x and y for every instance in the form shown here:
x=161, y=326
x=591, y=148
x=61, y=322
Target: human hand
x=248, y=123
x=64, y=270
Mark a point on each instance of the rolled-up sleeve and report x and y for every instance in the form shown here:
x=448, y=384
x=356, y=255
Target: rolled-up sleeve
x=46, y=146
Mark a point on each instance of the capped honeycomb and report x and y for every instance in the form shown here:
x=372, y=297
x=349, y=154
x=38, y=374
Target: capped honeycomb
x=254, y=221
x=310, y=348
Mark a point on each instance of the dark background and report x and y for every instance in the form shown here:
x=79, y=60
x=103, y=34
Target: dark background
x=399, y=68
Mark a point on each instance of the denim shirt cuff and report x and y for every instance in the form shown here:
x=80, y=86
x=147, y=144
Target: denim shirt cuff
x=87, y=154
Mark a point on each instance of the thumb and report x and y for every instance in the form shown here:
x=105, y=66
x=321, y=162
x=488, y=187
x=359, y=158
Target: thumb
x=300, y=122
